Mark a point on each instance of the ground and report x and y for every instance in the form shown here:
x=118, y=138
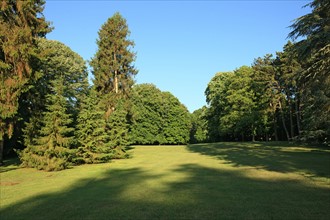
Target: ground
x=203, y=181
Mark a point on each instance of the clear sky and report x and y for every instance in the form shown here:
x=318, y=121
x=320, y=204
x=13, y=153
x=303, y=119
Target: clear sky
x=180, y=45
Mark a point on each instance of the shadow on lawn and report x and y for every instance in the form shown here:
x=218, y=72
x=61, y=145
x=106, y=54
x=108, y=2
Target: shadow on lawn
x=272, y=156
x=10, y=164
x=203, y=193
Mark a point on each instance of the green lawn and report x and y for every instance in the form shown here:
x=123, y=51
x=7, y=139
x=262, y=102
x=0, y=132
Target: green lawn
x=203, y=181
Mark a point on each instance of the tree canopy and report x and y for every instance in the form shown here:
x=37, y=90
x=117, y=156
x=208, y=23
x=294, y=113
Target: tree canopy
x=54, y=118
x=158, y=117
x=21, y=24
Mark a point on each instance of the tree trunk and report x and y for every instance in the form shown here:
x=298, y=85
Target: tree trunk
x=253, y=133
x=1, y=151
x=116, y=82
x=291, y=120
x=283, y=121
x=116, y=75
x=275, y=127
x=297, y=109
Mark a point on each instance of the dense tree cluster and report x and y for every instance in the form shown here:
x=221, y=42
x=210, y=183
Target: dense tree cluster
x=18, y=56
x=159, y=117
x=285, y=97
x=60, y=120
x=54, y=119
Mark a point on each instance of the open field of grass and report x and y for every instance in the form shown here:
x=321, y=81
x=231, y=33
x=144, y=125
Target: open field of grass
x=203, y=181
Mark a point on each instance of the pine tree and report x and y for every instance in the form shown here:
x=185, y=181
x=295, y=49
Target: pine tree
x=314, y=53
x=59, y=62
x=21, y=22
x=113, y=71
x=112, y=64
x=51, y=151
x=288, y=69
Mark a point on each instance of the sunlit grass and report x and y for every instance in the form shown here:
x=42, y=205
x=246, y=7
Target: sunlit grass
x=205, y=181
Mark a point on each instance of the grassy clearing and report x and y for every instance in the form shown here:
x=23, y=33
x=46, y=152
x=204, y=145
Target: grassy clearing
x=205, y=181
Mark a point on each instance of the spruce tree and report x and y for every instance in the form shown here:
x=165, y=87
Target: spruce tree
x=51, y=151
x=112, y=64
x=113, y=71
x=21, y=23
x=94, y=145
x=59, y=62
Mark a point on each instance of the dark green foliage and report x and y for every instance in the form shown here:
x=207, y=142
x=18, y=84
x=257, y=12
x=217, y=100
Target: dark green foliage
x=315, y=26
x=118, y=126
x=50, y=150
x=159, y=117
x=17, y=56
x=175, y=119
x=93, y=142
x=267, y=92
x=314, y=53
x=63, y=72
x=288, y=70
x=233, y=106
x=113, y=71
x=199, y=131
x=51, y=106
x=112, y=64
x=215, y=97
x=146, y=126
x=59, y=62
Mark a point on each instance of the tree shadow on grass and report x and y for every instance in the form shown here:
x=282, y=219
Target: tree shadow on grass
x=272, y=156
x=197, y=193
x=10, y=164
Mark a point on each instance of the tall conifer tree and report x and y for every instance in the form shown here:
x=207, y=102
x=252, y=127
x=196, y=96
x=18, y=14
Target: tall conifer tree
x=314, y=53
x=112, y=64
x=60, y=62
x=113, y=71
x=94, y=144
x=51, y=149
x=21, y=22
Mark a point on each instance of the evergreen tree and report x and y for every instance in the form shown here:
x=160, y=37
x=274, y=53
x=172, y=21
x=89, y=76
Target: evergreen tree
x=113, y=71
x=314, y=53
x=21, y=23
x=94, y=145
x=59, y=62
x=50, y=150
x=288, y=70
x=112, y=64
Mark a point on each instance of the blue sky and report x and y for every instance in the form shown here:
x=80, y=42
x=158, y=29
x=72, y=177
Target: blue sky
x=180, y=45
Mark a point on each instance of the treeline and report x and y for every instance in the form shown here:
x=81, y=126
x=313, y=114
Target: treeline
x=53, y=118
x=286, y=97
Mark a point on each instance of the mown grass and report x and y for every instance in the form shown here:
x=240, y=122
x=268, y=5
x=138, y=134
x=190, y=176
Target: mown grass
x=203, y=181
